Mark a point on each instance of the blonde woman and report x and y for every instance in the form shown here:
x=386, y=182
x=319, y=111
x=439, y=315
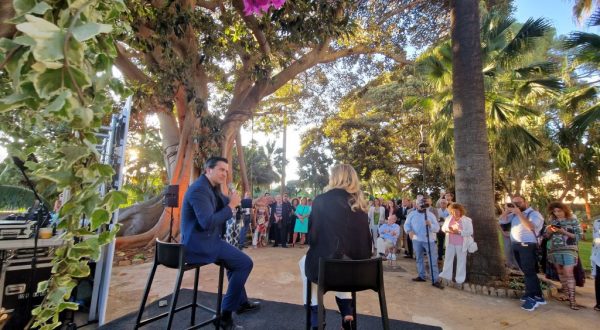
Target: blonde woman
x=459, y=234
x=338, y=229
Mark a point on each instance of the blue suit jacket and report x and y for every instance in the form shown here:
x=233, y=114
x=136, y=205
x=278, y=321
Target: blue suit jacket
x=202, y=222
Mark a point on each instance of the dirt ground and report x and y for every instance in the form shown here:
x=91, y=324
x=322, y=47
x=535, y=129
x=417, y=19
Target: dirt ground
x=276, y=277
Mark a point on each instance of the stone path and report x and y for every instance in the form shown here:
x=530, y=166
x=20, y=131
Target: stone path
x=276, y=277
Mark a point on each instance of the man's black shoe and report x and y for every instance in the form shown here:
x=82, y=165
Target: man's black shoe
x=228, y=324
x=419, y=279
x=248, y=307
x=438, y=285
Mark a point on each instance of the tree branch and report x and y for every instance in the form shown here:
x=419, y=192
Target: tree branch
x=129, y=70
x=253, y=25
x=398, y=10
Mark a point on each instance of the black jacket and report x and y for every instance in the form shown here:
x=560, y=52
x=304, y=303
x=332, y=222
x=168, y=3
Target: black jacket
x=335, y=231
x=286, y=212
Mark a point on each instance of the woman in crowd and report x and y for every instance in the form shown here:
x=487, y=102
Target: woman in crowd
x=301, y=227
x=459, y=230
x=389, y=209
x=293, y=217
x=261, y=223
x=339, y=229
x=376, y=217
x=596, y=261
x=563, y=234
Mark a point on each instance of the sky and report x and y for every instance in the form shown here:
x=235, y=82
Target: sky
x=559, y=12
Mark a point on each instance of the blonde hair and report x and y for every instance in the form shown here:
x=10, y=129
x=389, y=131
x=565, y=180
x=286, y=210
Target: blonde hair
x=343, y=176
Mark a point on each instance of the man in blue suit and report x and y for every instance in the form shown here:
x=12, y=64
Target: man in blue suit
x=203, y=214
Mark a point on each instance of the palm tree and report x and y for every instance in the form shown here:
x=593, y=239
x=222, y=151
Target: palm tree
x=473, y=168
x=585, y=48
x=515, y=78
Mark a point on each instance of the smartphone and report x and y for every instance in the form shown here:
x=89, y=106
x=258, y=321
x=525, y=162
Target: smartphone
x=511, y=205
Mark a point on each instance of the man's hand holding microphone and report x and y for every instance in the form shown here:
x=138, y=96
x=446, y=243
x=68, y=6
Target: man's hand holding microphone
x=234, y=197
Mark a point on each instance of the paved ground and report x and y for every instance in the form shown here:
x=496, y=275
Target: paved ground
x=276, y=277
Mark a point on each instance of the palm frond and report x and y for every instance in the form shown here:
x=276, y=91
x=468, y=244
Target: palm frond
x=573, y=99
x=515, y=143
x=540, y=87
x=536, y=69
x=524, y=40
x=498, y=112
x=595, y=18
x=446, y=110
x=582, y=121
x=495, y=31
x=582, y=41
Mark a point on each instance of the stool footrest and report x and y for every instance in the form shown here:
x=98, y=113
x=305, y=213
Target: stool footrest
x=163, y=315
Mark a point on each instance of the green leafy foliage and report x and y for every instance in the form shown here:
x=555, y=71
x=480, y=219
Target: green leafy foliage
x=55, y=96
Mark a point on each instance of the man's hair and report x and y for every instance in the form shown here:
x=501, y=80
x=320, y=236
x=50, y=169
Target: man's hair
x=519, y=196
x=212, y=162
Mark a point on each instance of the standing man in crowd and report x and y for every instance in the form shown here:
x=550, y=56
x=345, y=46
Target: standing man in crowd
x=526, y=224
x=280, y=219
x=401, y=214
x=422, y=227
x=204, y=212
x=246, y=217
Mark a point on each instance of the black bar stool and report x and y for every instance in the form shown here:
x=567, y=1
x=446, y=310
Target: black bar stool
x=348, y=276
x=172, y=255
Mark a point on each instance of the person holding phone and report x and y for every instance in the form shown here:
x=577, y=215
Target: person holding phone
x=525, y=226
x=563, y=235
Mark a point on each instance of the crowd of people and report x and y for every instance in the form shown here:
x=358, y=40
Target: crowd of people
x=342, y=224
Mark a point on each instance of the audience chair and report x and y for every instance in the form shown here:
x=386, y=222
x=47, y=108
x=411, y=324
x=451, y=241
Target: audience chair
x=348, y=276
x=172, y=255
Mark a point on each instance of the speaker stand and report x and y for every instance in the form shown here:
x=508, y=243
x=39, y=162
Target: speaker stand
x=171, y=238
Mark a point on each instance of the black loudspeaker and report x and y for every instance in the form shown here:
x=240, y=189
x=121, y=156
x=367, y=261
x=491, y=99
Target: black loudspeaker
x=14, y=280
x=247, y=203
x=171, y=196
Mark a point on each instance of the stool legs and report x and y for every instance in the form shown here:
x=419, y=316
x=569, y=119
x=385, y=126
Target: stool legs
x=219, y=297
x=145, y=298
x=194, y=299
x=175, y=296
x=321, y=308
x=383, y=306
x=307, y=303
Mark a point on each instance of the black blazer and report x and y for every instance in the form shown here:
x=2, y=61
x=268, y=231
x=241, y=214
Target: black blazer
x=286, y=212
x=401, y=214
x=335, y=231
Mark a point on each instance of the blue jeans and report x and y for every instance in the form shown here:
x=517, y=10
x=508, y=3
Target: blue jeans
x=526, y=257
x=420, y=248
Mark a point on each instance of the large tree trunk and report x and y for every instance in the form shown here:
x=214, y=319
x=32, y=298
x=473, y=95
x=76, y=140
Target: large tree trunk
x=473, y=166
x=182, y=174
x=169, y=132
x=140, y=217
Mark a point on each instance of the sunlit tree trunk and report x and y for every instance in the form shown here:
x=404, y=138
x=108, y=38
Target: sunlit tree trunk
x=242, y=161
x=474, y=186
